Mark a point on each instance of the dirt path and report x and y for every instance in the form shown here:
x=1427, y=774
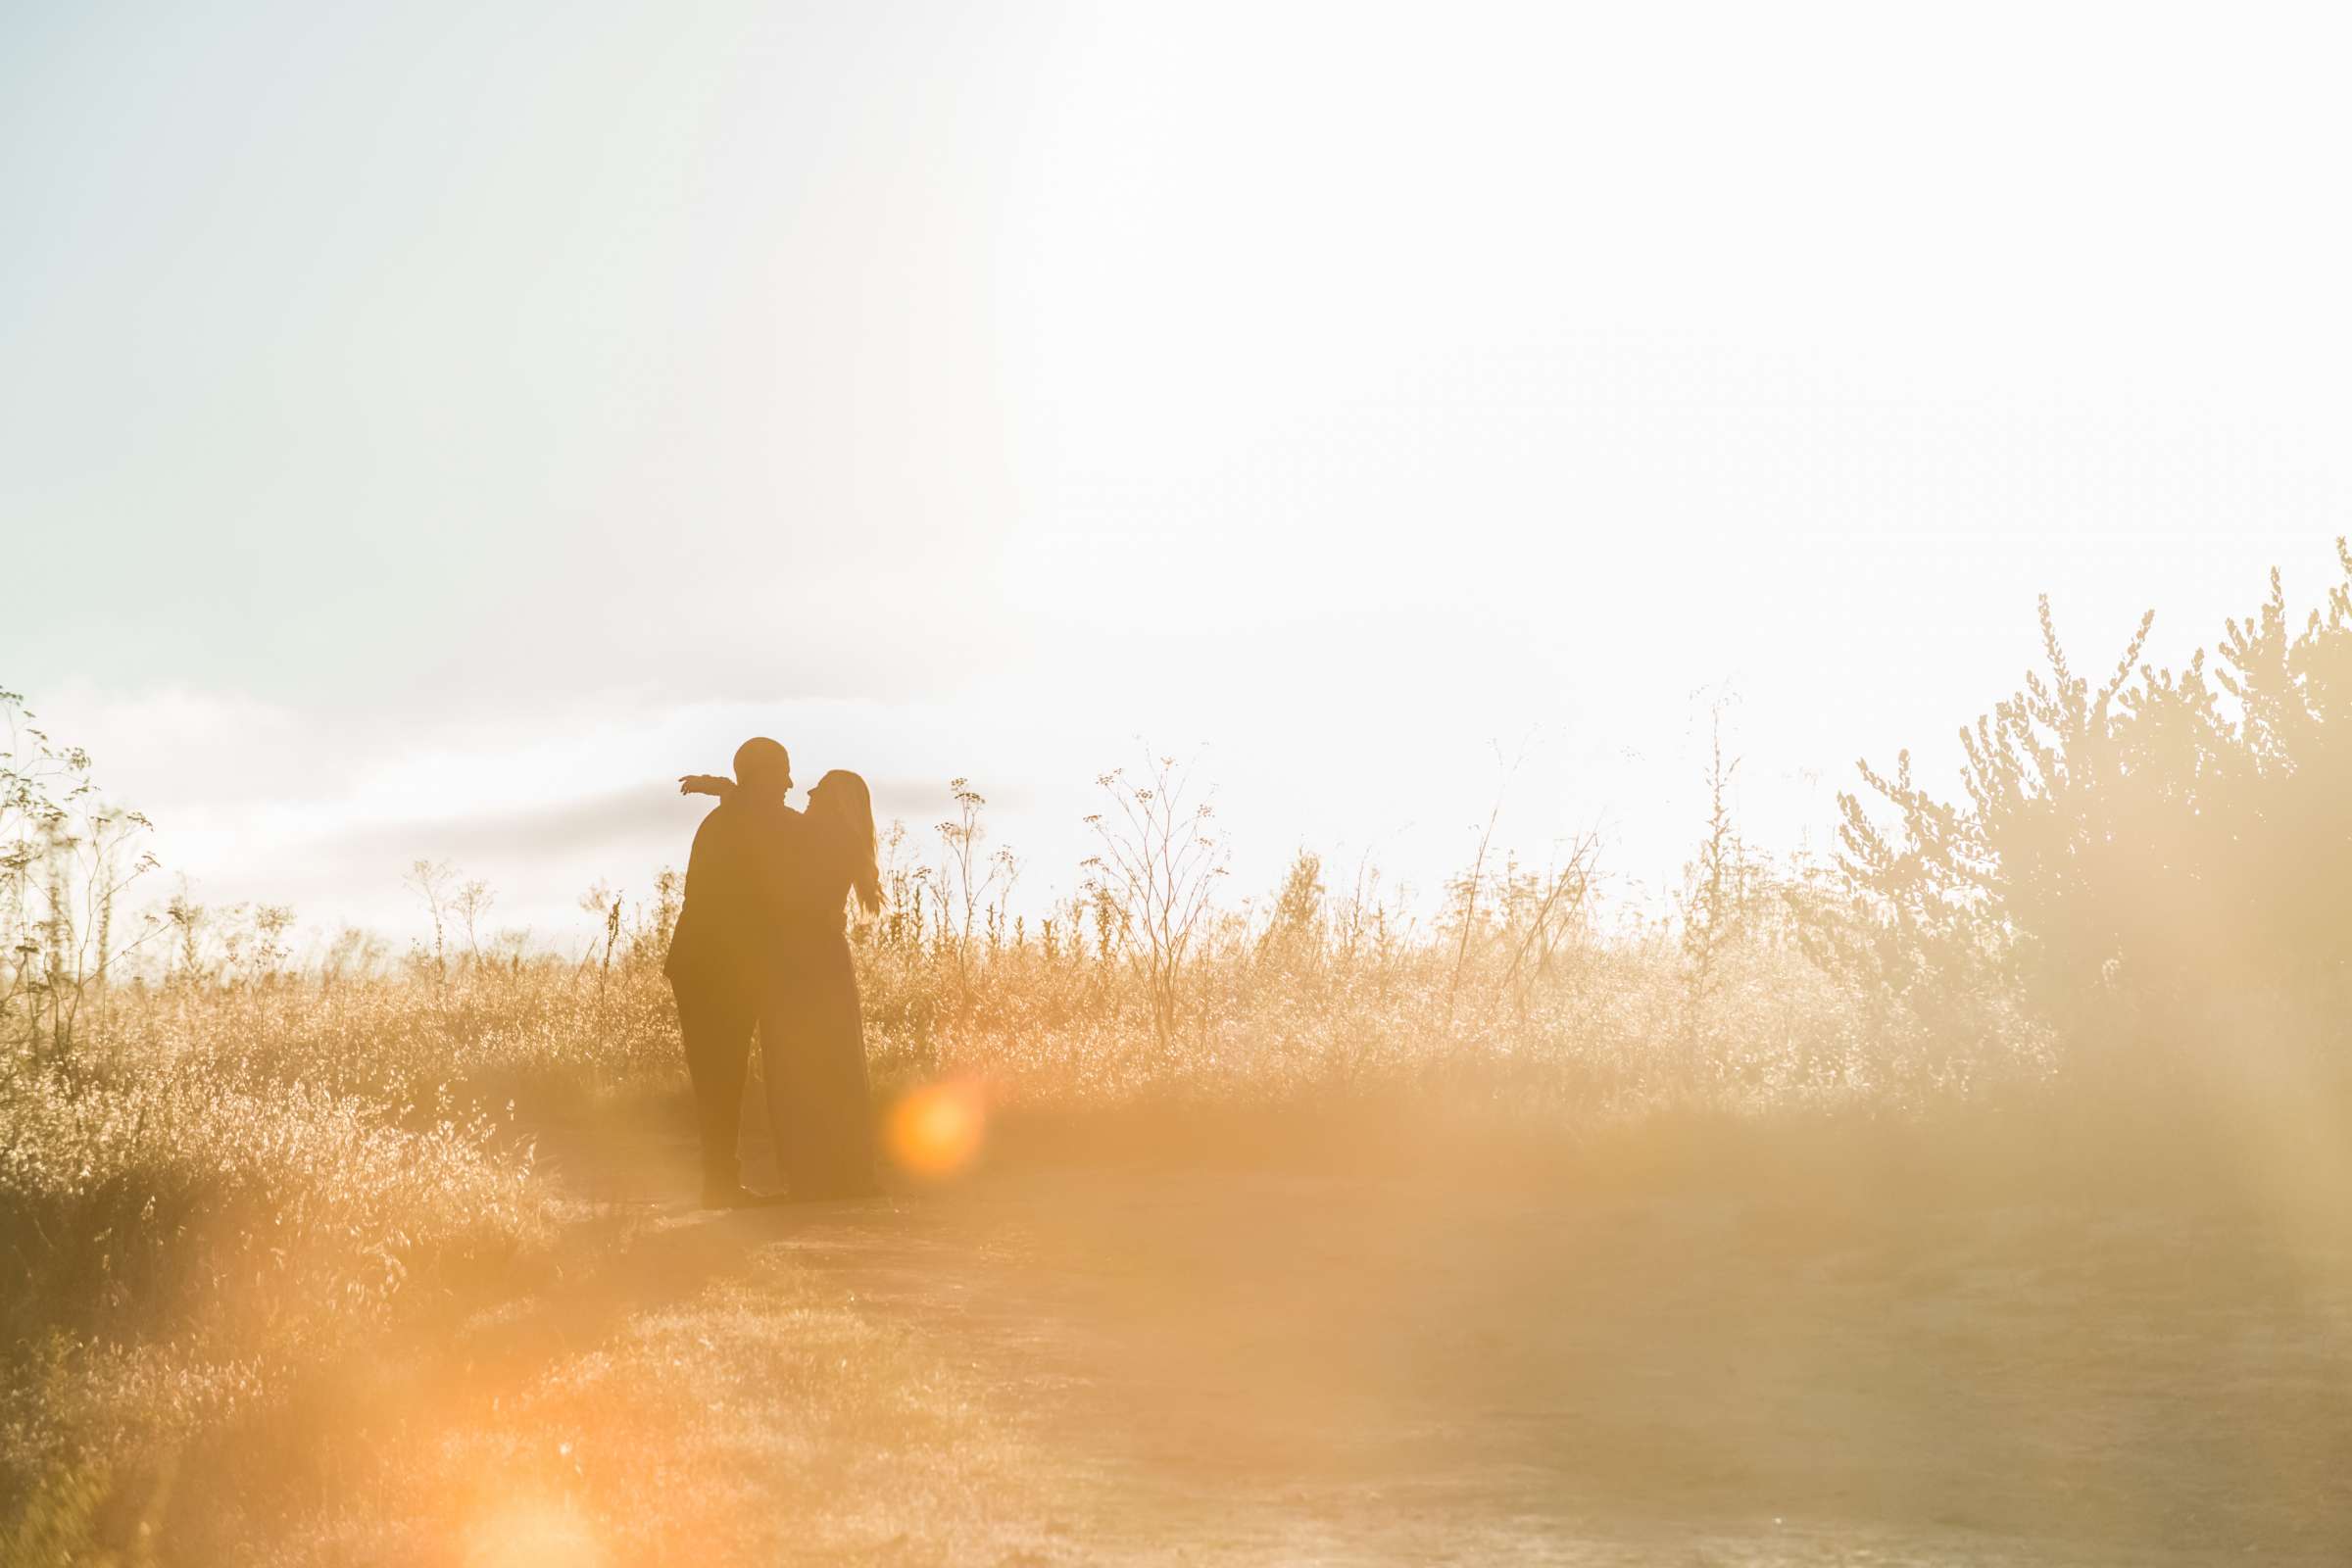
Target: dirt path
x=1311, y=1369
x=1086, y=1365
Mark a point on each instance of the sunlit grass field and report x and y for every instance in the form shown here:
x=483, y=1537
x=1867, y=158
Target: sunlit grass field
x=1976, y=1196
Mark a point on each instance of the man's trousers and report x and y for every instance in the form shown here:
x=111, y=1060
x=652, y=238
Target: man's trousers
x=716, y=1020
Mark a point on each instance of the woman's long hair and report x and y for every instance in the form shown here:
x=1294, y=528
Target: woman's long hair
x=850, y=816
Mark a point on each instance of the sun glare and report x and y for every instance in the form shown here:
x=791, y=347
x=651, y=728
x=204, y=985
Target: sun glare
x=936, y=1130
x=533, y=1533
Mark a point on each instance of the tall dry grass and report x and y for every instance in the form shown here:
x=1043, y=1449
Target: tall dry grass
x=235, y=1169
x=220, y=1167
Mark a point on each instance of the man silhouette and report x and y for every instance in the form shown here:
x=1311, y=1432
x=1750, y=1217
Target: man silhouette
x=716, y=954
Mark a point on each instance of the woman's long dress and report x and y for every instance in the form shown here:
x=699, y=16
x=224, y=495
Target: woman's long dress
x=813, y=1030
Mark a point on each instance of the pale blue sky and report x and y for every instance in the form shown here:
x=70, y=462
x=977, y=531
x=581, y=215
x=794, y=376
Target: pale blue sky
x=424, y=429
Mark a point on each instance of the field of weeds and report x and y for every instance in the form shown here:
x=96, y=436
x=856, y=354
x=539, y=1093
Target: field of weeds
x=235, y=1169
x=2117, y=965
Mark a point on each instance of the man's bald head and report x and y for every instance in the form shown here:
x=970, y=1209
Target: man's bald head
x=762, y=768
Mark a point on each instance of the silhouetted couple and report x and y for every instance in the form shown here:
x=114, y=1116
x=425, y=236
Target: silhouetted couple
x=760, y=943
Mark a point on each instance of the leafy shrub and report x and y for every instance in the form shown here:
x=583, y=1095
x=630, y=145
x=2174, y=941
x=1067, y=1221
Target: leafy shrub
x=2135, y=861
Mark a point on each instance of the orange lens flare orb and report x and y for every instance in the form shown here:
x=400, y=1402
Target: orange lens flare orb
x=935, y=1130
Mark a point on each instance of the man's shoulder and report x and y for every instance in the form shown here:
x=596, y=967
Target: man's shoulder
x=731, y=817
